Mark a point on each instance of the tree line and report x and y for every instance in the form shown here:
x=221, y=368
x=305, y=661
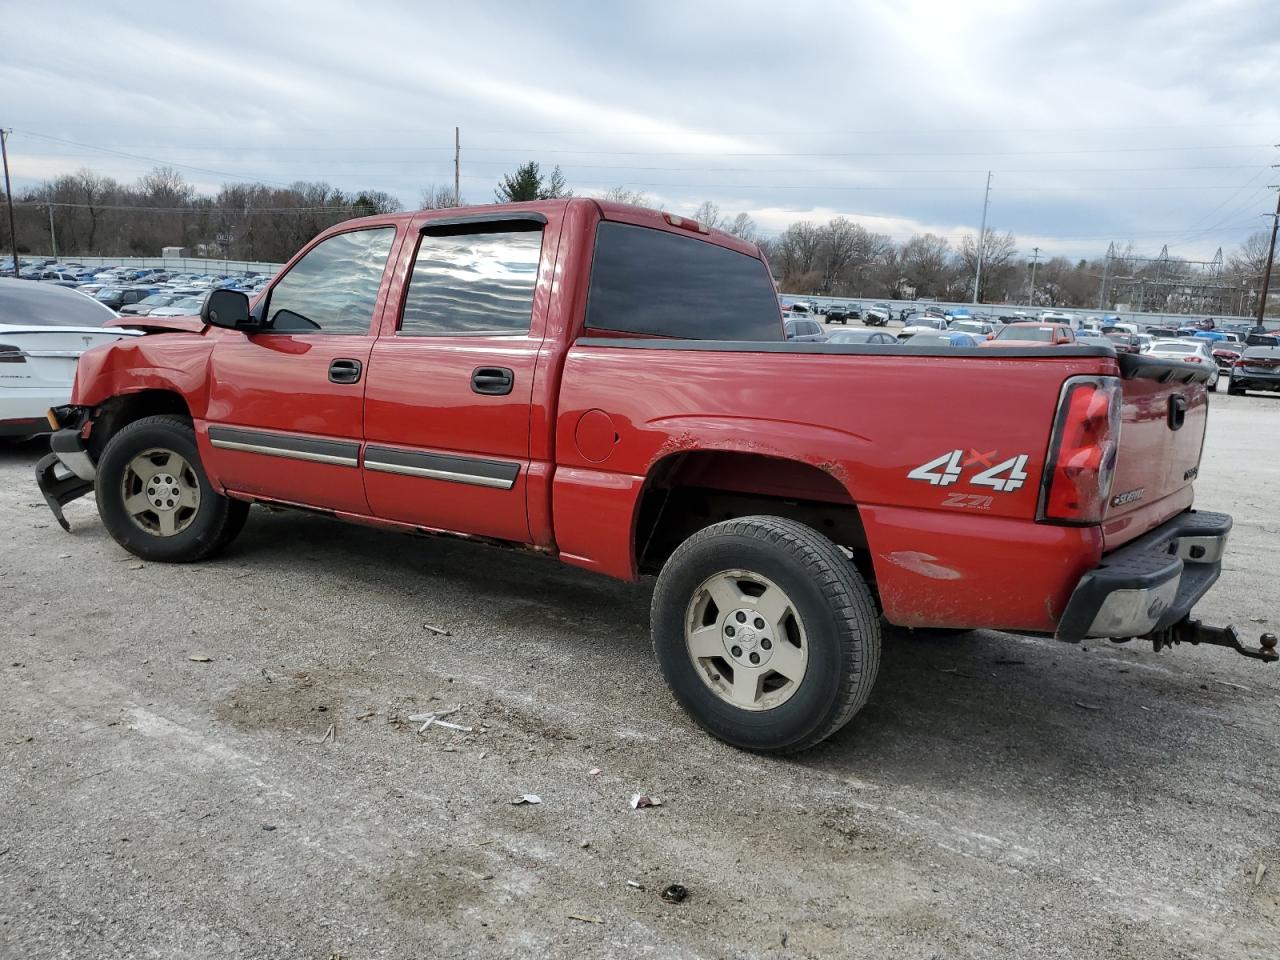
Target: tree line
x=96, y=215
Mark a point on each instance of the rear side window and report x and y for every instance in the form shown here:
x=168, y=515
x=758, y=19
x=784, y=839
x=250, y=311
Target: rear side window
x=659, y=284
x=334, y=287
x=477, y=279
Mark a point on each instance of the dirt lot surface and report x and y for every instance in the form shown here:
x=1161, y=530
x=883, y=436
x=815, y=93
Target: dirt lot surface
x=999, y=797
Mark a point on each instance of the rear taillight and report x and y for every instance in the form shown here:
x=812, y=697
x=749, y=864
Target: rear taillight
x=1193, y=359
x=1082, y=451
x=11, y=354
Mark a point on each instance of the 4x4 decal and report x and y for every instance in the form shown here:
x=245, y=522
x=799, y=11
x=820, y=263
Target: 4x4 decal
x=1005, y=476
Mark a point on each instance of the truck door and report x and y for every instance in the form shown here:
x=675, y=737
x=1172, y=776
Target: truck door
x=447, y=403
x=285, y=403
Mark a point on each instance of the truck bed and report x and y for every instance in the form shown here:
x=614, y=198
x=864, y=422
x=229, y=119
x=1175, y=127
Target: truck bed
x=877, y=425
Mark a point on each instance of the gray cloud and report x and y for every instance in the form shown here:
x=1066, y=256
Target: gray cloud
x=1143, y=122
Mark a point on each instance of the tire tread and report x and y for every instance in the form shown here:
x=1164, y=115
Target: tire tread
x=841, y=585
x=228, y=522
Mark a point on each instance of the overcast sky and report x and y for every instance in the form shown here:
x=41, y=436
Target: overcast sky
x=1145, y=122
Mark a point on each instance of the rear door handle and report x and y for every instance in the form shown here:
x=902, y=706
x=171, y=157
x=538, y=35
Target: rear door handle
x=492, y=381
x=343, y=370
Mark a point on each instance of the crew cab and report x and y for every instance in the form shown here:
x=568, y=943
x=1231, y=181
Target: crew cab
x=610, y=386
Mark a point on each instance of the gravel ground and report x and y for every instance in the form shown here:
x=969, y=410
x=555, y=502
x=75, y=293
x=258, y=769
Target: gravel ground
x=999, y=796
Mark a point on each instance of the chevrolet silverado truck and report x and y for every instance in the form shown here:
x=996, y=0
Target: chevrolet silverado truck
x=610, y=386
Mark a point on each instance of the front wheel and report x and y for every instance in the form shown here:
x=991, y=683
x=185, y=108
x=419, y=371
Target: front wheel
x=155, y=499
x=766, y=633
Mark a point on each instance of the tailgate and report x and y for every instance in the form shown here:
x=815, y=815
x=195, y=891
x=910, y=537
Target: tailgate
x=1166, y=408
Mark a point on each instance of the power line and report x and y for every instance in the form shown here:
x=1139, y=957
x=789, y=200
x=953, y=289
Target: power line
x=524, y=150
x=417, y=162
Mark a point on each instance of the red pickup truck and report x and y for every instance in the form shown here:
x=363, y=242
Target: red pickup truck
x=610, y=386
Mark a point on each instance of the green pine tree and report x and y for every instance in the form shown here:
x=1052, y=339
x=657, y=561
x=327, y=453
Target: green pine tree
x=524, y=184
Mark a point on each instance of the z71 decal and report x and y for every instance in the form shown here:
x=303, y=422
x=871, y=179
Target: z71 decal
x=969, y=501
x=1005, y=477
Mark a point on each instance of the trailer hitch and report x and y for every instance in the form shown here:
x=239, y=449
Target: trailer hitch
x=1196, y=632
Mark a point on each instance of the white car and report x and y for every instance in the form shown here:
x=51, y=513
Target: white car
x=43, y=330
x=924, y=325
x=187, y=307
x=975, y=328
x=1192, y=351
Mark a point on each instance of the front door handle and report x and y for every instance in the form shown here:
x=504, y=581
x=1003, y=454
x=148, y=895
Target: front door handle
x=343, y=370
x=492, y=381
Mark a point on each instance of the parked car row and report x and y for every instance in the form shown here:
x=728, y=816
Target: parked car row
x=1251, y=367
x=138, y=291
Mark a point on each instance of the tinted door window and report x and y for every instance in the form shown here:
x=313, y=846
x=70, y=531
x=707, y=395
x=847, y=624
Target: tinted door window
x=476, y=280
x=334, y=287
x=660, y=284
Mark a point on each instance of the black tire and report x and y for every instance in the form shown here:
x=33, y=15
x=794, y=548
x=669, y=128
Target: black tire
x=216, y=521
x=828, y=596
x=1213, y=387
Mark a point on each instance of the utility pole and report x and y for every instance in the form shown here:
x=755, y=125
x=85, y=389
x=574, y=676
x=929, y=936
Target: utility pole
x=1271, y=255
x=1031, y=299
x=8, y=195
x=53, y=241
x=457, y=167
x=1106, y=273
x=982, y=240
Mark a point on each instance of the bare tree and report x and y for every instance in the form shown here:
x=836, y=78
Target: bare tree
x=708, y=214
x=437, y=198
x=743, y=227
x=926, y=263
x=93, y=191
x=997, y=260
x=623, y=195
x=1250, y=260
x=165, y=186
x=796, y=253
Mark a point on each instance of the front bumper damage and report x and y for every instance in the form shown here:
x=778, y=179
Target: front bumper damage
x=67, y=472
x=1147, y=589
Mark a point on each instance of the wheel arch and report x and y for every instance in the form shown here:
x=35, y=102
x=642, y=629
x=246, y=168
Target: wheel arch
x=689, y=490
x=117, y=412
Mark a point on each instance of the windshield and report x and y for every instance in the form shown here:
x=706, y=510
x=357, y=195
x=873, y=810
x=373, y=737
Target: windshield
x=1177, y=347
x=1039, y=334
x=157, y=300
x=1262, y=353
x=851, y=336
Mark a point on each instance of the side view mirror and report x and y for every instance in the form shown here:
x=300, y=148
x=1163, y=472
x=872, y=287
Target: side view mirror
x=227, y=308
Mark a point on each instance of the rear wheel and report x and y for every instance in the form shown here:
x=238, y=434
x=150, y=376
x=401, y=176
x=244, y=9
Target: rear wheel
x=766, y=633
x=155, y=499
